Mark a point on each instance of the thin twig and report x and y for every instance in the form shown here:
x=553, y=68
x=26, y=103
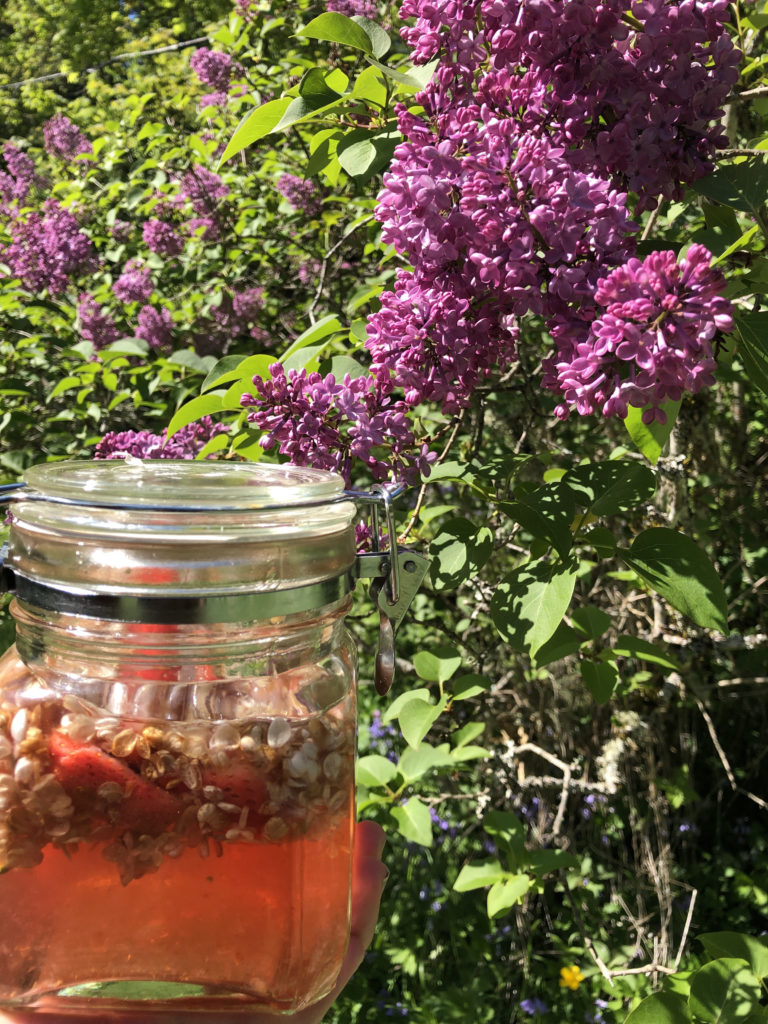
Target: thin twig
x=129, y=55
x=423, y=489
x=688, y=919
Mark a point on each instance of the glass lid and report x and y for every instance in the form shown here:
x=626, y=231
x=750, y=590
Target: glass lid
x=174, y=483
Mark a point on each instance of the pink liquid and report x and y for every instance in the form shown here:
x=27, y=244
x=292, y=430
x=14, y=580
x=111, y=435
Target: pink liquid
x=264, y=924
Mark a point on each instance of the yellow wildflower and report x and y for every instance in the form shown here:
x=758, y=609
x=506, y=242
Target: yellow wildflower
x=570, y=977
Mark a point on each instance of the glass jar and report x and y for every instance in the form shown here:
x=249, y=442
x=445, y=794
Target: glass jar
x=177, y=738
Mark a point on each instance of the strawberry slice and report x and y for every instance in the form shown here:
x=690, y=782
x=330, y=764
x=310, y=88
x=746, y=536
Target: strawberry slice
x=240, y=785
x=82, y=768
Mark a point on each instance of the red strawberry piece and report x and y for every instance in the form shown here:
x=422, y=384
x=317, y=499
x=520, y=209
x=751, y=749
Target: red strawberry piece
x=82, y=768
x=241, y=784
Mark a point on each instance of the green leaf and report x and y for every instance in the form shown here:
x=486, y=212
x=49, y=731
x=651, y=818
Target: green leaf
x=504, y=824
x=369, y=86
x=600, y=678
x=244, y=368
x=415, y=763
x=337, y=28
x=315, y=86
x=478, y=875
x=437, y=665
x=129, y=347
x=357, y=158
x=303, y=108
x=543, y=515
x=505, y=894
x=529, y=606
x=742, y=185
x=734, y=944
x=417, y=718
x=469, y=753
x=564, y=641
x=602, y=540
x=605, y=488
x=413, y=821
x=203, y=405
x=374, y=770
x=676, y=567
x=661, y=1008
x=417, y=77
x=459, y=551
x=467, y=733
x=591, y=621
x=380, y=40
x=634, y=647
x=649, y=439
x=470, y=685
x=319, y=331
x=724, y=991
x=397, y=705
x=752, y=330
x=254, y=126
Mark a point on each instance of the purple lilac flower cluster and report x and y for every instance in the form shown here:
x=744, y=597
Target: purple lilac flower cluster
x=135, y=283
x=510, y=196
x=96, y=325
x=205, y=191
x=21, y=176
x=162, y=237
x=363, y=8
x=319, y=422
x=155, y=326
x=64, y=139
x=186, y=443
x=212, y=68
x=302, y=194
x=47, y=249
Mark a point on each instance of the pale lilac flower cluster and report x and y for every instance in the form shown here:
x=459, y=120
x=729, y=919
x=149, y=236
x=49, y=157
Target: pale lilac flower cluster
x=96, y=325
x=363, y=8
x=64, y=139
x=234, y=315
x=302, y=194
x=46, y=250
x=650, y=339
x=135, y=284
x=213, y=99
x=161, y=237
x=203, y=189
x=186, y=443
x=155, y=326
x=212, y=68
x=319, y=422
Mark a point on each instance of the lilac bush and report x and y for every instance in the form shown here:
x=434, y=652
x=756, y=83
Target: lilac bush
x=186, y=443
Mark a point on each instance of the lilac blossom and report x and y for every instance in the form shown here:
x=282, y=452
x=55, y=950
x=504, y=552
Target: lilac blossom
x=186, y=443
x=364, y=8
x=64, y=139
x=21, y=177
x=534, y=1007
x=47, y=250
x=203, y=189
x=649, y=340
x=509, y=196
x=212, y=68
x=155, y=327
x=96, y=325
x=320, y=422
x=161, y=237
x=213, y=99
x=134, y=284
x=303, y=195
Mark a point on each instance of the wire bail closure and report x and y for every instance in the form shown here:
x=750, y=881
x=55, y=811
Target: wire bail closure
x=396, y=574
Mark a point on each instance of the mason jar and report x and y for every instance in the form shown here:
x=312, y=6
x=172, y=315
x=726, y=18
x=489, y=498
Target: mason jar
x=177, y=738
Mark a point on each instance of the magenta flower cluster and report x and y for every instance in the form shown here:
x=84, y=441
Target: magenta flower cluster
x=510, y=196
x=162, y=237
x=21, y=177
x=186, y=443
x=135, y=283
x=212, y=68
x=650, y=341
x=46, y=249
x=363, y=8
x=96, y=325
x=155, y=326
x=317, y=421
x=64, y=139
x=301, y=193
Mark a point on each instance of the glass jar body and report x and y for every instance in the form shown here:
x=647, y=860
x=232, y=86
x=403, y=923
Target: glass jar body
x=176, y=813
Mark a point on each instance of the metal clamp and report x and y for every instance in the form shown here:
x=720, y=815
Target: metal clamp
x=397, y=575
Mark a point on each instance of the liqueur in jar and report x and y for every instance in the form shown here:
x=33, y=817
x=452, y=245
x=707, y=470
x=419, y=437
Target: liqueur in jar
x=177, y=739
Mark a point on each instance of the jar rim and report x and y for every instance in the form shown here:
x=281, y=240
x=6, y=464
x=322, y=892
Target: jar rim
x=170, y=483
